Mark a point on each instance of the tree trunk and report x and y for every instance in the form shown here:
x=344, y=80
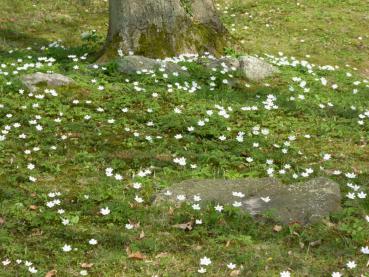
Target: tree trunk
x=163, y=28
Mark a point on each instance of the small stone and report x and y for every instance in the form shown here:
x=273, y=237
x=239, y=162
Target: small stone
x=255, y=69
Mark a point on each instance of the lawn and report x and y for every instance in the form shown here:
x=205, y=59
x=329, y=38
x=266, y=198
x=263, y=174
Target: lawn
x=80, y=165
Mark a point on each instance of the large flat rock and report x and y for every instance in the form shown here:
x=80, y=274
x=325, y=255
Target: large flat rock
x=304, y=202
x=51, y=79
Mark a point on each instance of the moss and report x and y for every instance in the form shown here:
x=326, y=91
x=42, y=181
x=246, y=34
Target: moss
x=190, y=38
x=156, y=43
x=187, y=6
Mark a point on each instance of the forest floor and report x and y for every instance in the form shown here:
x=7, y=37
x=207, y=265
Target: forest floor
x=56, y=152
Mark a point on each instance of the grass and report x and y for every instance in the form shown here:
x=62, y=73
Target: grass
x=85, y=148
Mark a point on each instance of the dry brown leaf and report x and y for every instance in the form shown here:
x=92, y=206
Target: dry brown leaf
x=277, y=228
x=2, y=221
x=33, y=207
x=315, y=243
x=184, y=226
x=86, y=265
x=161, y=255
x=228, y=243
x=142, y=235
x=137, y=256
x=235, y=273
x=135, y=225
x=51, y=273
x=171, y=211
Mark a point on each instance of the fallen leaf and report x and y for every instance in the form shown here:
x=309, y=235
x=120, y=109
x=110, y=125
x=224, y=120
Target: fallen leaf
x=142, y=235
x=161, y=255
x=86, y=265
x=136, y=256
x=315, y=243
x=2, y=221
x=184, y=226
x=228, y=243
x=277, y=228
x=33, y=207
x=171, y=211
x=135, y=225
x=51, y=273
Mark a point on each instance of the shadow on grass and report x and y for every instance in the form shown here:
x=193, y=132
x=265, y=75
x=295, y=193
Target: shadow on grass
x=14, y=38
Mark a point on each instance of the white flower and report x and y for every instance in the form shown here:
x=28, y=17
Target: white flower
x=6, y=262
x=326, y=157
x=231, y=266
x=181, y=161
x=129, y=226
x=198, y=221
x=92, y=241
x=168, y=193
x=222, y=138
x=178, y=136
x=351, y=264
x=65, y=221
x=336, y=274
x=201, y=270
x=265, y=199
x=83, y=272
x=350, y=175
x=218, y=208
x=181, y=197
x=201, y=123
x=238, y=194
x=285, y=274
x=138, y=199
x=137, y=185
x=350, y=195
x=361, y=195
x=105, y=211
x=365, y=250
x=237, y=204
x=196, y=207
x=205, y=261
x=32, y=269
x=196, y=198
x=67, y=248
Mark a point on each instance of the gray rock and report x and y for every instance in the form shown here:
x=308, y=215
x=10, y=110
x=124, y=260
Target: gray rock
x=52, y=79
x=132, y=64
x=232, y=64
x=255, y=69
x=300, y=202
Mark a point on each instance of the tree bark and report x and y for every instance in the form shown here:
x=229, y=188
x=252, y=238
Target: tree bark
x=163, y=28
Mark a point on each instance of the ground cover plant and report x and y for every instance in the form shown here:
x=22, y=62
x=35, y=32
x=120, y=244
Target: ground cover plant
x=80, y=165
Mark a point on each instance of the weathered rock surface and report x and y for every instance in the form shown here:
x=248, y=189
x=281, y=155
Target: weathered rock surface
x=255, y=69
x=304, y=202
x=228, y=63
x=53, y=79
x=132, y=64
